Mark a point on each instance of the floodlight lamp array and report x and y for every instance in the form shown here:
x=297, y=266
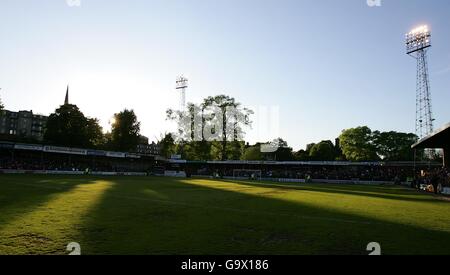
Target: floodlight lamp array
x=418, y=39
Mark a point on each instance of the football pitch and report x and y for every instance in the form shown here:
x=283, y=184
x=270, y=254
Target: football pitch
x=154, y=215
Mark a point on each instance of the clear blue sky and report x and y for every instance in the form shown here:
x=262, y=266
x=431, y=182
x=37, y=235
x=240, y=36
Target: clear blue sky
x=327, y=64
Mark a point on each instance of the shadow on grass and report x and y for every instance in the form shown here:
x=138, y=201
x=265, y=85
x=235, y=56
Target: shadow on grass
x=389, y=193
x=174, y=216
x=22, y=194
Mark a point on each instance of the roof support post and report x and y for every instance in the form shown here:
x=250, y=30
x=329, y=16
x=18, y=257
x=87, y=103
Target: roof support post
x=447, y=157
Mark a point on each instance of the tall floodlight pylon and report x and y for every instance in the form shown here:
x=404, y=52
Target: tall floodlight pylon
x=417, y=43
x=182, y=85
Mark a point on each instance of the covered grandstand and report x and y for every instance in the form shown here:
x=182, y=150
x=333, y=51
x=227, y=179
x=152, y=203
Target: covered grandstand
x=299, y=171
x=440, y=139
x=33, y=158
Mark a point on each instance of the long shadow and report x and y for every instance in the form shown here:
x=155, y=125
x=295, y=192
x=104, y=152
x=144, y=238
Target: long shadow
x=173, y=216
x=400, y=194
x=21, y=194
x=39, y=214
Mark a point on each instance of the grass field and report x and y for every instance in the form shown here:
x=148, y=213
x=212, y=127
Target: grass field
x=151, y=215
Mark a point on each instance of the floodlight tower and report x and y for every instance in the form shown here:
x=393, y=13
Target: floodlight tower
x=417, y=43
x=182, y=85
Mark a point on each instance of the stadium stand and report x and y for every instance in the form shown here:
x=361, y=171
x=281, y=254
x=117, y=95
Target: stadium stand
x=345, y=172
x=29, y=158
x=440, y=139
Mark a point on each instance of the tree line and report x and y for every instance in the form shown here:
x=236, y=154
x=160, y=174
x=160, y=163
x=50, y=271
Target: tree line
x=215, y=130
x=68, y=126
x=356, y=144
x=196, y=126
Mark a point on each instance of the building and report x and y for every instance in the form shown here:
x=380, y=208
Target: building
x=147, y=149
x=440, y=139
x=23, y=124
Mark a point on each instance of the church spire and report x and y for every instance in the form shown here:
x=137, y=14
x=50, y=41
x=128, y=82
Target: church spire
x=66, y=101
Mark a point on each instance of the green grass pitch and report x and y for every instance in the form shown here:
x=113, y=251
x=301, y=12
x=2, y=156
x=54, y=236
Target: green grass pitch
x=152, y=215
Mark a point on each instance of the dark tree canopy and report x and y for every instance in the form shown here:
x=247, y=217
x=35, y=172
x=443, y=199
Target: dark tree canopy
x=395, y=146
x=282, y=153
x=323, y=151
x=167, y=146
x=125, y=131
x=95, y=133
x=235, y=121
x=68, y=126
x=212, y=129
x=301, y=155
x=252, y=153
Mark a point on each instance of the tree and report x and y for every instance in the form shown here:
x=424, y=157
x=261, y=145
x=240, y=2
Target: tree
x=252, y=153
x=309, y=147
x=212, y=129
x=394, y=146
x=301, y=155
x=125, y=131
x=226, y=120
x=190, y=122
x=68, y=126
x=323, y=151
x=235, y=150
x=167, y=146
x=357, y=144
x=282, y=151
x=338, y=151
x=95, y=133
x=1, y=106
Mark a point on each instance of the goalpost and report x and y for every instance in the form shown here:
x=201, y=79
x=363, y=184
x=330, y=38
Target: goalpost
x=247, y=174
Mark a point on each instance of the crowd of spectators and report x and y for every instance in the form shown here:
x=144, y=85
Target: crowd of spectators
x=328, y=172
x=433, y=180
x=56, y=162
x=407, y=174
x=432, y=177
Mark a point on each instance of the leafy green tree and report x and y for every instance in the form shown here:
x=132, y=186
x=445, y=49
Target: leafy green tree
x=304, y=155
x=252, y=153
x=190, y=122
x=68, y=126
x=212, y=129
x=95, y=133
x=357, y=144
x=125, y=131
x=301, y=155
x=394, y=146
x=235, y=150
x=309, y=147
x=226, y=120
x=283, y=151
x=338, y=151
x=186, y=150
x=190, y=134
x=323, y=151
x=167, y=146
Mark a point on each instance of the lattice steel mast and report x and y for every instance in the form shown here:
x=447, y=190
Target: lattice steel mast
x=417, y=43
